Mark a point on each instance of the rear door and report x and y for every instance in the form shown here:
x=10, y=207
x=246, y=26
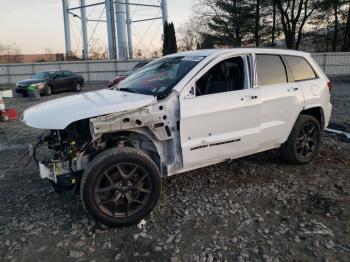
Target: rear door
x=220, y=113
x=307, y=79
x=282, y=99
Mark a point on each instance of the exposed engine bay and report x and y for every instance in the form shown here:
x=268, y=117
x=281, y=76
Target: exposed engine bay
x=56, y=152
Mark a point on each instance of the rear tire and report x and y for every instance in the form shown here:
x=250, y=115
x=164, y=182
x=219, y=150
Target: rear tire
x=78, y=87
x=303, y=142
x=120, y=186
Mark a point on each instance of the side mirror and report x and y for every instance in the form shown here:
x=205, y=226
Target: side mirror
x=191, y=93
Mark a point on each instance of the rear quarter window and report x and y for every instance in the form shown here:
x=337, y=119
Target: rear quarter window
x=301, y=69
x=270, y=70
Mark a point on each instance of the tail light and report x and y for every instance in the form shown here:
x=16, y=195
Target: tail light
x=330, y=86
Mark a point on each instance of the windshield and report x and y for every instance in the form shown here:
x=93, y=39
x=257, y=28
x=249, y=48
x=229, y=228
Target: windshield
x=43, y=75
x=160, y=76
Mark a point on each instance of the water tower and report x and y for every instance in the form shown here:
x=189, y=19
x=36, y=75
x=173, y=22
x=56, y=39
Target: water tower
x=118, y=21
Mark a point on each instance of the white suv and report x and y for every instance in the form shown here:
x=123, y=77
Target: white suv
x=179, y=113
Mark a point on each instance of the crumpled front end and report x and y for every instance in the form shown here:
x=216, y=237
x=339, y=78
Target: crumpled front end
x=59, y=154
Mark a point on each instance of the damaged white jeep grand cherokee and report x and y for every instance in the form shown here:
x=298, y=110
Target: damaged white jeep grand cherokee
x=179, y=113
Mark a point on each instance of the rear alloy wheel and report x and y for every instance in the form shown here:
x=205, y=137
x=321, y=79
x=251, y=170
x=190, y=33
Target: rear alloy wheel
x=304, y=141
x=47, y=90
x=78, y=87
x=120, y=186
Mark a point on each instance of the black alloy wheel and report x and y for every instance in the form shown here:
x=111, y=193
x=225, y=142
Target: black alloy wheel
x=123, y=190
x=303, y=142
x=120, y=186
x=307, y=140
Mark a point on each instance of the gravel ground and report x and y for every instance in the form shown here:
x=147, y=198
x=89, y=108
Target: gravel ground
x=253, y=209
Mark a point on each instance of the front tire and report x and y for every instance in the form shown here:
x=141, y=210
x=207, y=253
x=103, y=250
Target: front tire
x=120, y=186
x=48, y=90
x=303, y=142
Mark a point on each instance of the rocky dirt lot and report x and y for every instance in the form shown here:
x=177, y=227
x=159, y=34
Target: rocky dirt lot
x=253, y=209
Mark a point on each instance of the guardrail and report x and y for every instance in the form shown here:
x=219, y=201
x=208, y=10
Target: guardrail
x=333, y=64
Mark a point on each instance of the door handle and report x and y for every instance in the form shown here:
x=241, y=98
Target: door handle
x=292, y=89
x=249, y=98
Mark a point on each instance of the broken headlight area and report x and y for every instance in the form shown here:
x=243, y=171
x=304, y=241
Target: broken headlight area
x=58, y=154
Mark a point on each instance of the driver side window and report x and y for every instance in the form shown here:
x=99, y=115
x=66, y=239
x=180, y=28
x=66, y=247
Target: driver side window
x=226, y=76
x=59, y=74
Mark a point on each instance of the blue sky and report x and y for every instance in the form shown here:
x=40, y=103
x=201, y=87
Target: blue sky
x=37, y=25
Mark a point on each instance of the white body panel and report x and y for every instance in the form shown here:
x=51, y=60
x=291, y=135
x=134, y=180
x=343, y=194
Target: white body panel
x=200, y=130
x=218, y=127
x=59, y=113
x=316, y=91
x=281, y=105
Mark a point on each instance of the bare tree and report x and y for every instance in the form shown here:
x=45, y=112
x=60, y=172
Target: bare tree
x=346, y=42
x=138, y=54
x=188, y=36
x=10, y=53
x=294, y=15
x=96, y=50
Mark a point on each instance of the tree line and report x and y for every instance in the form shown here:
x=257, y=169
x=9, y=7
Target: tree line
x=314, y=25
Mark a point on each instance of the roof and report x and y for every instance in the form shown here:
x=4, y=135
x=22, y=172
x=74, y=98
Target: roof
x=207, y=52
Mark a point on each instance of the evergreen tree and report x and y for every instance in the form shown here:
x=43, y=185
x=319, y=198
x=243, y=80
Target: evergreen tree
x=166, y=39
x=169, y=39
x=207, y=42
x=172, y=37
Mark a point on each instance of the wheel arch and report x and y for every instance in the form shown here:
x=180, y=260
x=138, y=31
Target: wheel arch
x=140, y=139
x=316, y=112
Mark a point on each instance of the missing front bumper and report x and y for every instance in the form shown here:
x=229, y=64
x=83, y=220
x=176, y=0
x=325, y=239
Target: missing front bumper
x=61, y=178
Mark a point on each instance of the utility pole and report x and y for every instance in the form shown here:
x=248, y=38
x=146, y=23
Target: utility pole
x=84, y=29
x=128, y=27
x=112, y=41
x=120, y=14
x=66, y=28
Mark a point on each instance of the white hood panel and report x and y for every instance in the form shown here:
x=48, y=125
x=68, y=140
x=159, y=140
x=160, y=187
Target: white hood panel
x=59, y=113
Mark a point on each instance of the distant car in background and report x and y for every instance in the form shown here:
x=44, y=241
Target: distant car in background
x=122, y=76
x=52, y=81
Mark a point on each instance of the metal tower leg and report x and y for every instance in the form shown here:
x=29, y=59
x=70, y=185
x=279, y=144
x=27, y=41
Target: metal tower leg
x=121, y=29
x=164, y=6
x=84, y=29
x=128, y=27
x=66, y=28
x=112, y=50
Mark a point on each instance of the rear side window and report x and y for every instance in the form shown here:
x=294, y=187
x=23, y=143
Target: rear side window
x=67, y=73
x=270, y=70
x=301, y=69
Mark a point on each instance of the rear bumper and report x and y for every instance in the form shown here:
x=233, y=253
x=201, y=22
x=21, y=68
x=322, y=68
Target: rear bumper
x=327, y=114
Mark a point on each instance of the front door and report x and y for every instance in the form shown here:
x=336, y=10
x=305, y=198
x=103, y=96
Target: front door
x=58, y=82
x=69, y=80
x=221, y=120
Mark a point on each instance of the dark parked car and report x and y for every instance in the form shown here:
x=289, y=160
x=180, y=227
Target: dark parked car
x=116, y=80
x=52, y=81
